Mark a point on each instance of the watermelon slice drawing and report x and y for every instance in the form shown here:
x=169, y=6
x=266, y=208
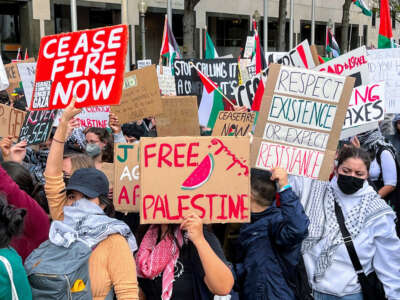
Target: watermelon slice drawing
x=200, y=175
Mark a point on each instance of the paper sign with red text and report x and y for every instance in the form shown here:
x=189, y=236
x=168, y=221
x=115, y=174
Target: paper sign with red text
x=94, y=116
x=353, y=63
x=207, y=176
x=126, y=177
x=11, y=121
x=89, y=64
x=300, y=120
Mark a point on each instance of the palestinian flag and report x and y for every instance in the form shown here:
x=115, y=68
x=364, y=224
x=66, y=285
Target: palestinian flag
x=365, y=9
x=169, y=47
x=209, y=49
x=331, y=44
x=211, y=102
x=19, y=58
x=385, y=37
x=259, y=55
x=26, y=54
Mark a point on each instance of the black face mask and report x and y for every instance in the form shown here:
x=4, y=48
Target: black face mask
x=349, y=184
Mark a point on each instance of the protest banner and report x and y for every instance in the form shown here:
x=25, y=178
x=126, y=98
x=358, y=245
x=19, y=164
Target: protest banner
x=207, y=176
x=13, y=77
x=11, y=121
x=37, y=126
x=243, y=70
x=4, y=83
x=249, y=47
x=126, y=177
x=272, y=57
x=166, y=81
x=366, y=109
x=179, y=117
x=300, y=56
x=222, y=71
x=140, y=97
x=384, y=65
x=27, y=74
x=89, y=64
x=234, y=123
x=143, y=63
x=300, y=120
x=353, y=63
x=94, y=116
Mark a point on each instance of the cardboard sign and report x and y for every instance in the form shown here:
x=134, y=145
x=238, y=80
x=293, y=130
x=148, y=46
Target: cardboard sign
x=384, y=65
x=248, y=50
x=143, y=63
x=166, y=81
x=13, y=77
x=11, y=121
x=353, y=63
x=37, y=126
x=366, y=107
x=127, y=175
x=27, y=74
x=300, y=56
x=140, y=97
x=95, y=116
x=223, y=71
x=4, y=83
x=233, y=123
x=243, y=70
x=179, y=118
x=208, y=176
x=108, y=170
x=89, y=64
x=300, y=120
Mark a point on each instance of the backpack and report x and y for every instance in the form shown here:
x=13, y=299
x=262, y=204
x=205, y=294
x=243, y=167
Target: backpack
x=56, y=272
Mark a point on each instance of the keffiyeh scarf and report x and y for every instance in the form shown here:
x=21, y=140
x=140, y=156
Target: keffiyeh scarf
x=85, y=221
x=373, y=140
x=153, y=259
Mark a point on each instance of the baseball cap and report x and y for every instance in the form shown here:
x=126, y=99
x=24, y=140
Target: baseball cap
x=88, y=181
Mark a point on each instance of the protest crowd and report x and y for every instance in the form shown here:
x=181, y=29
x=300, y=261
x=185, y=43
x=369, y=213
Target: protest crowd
x=260, y=177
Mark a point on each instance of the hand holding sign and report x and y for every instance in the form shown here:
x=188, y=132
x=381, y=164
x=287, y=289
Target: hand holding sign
x=5, y=147
x=281, y=176
x=18, y=152
x=194, y=227
x=71, y=111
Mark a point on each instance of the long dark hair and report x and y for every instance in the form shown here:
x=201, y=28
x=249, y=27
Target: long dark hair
x=106, y=138
x=352, y=152
x=11, y=222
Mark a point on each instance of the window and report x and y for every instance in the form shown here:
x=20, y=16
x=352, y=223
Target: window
x=393, y=19
x=9, y=24
x=373, y=17
x=230, y=31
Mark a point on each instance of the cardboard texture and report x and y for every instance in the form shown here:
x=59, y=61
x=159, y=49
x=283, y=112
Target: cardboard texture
x=127, y=177
x=11, y=121
x=37, y=126
x=27, y=74
x=207, y=176
x=300, y=120
x=179, y=118
x=13, y=77
x=108, y=170
x=384, y=65
x=353, y=63
x=89, y=64
x=232, y=123
x=140, y=97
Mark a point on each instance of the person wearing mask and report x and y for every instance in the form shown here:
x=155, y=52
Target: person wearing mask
x=367, y=217
x=272, y=238
x=181, y=262
x=88, y=211
x=13, y=280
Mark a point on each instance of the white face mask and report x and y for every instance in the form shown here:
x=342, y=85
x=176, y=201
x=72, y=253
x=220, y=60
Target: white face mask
x=92, y=149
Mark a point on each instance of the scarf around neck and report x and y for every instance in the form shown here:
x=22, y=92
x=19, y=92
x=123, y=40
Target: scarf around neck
x=152, y=259
x=372, y=140
x=85, y=221
x=324, y=228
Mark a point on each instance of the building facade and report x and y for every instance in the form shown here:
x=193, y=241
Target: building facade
x=228, y=22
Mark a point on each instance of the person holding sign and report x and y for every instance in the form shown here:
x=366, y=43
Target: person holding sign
x=84, y=208
x=349, y=207
x=181, y=262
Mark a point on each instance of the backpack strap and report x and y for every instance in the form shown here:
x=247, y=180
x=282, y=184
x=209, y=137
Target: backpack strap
x=10, y=275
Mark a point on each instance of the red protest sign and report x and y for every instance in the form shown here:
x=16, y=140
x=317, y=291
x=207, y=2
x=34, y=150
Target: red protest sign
x=89, y=64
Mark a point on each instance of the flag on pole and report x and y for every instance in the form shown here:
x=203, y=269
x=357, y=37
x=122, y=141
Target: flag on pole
x=259, y=67
x=26, y=54
x=19, y=58
x=385, y=37
x=211, y=101
x=331, y=44
x=364, y=7
x=169, y=47
x=209, y=49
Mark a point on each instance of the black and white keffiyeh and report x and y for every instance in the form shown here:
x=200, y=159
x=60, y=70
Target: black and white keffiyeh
x=373, y=140
x=85, y=221
x=324, y=228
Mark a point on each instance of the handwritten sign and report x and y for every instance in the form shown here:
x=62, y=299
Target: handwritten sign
x=233, y=123
x=140, y=97
x=27, y=74
x=366, y=107
x=94, y=116
x=89, y=64
x=11, y=121
x=223, y=71
x=127, y=175
x=143, y=63
x=166, y=81
x=384, y=65
x=13, y=77
x=300, y=120
x=353, y=63
x=4, y=83
x=208, y=176
x=179, y=118
x=273, y=57
x=37, y=126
